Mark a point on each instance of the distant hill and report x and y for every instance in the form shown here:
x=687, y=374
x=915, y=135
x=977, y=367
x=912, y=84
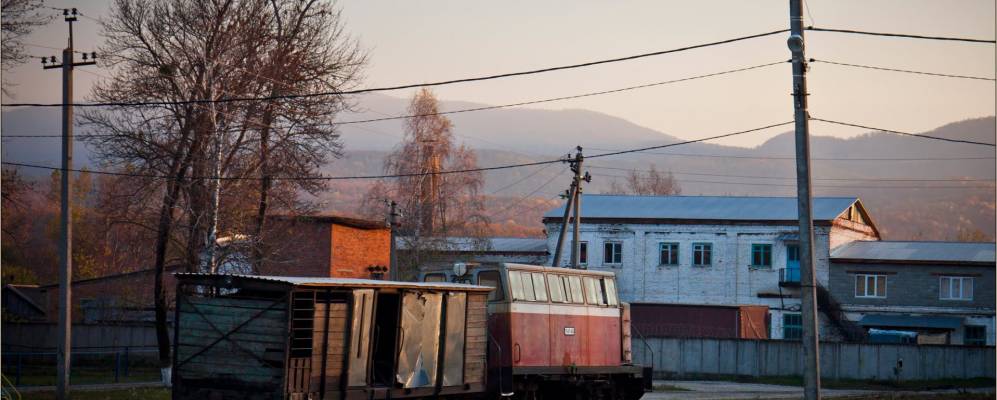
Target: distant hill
x=852, y=167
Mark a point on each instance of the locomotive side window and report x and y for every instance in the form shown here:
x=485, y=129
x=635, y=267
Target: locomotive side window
x=516, y=284
x=539, y=286
x=609, y=285
x=574, y=286
x=522, y=286
x=593, y=291
x=491, y=278
x=556, y=284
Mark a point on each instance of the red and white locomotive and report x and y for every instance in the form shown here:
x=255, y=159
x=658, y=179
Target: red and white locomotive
x=554, y=331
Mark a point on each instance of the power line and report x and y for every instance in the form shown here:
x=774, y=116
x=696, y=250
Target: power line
x=405, y=86
x=818, y=186
x=688, y=141
x=475, y=109
x=904, y=133
x=812, y=159
x=470, y=170
x=901, y=35
x=904, y=70
x=954, y=179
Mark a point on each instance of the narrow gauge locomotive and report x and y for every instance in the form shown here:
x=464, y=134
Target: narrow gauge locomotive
x=256, y=337
x=556, y=332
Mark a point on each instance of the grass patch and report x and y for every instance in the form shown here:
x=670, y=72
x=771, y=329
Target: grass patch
x=669, y=388
x=117, y=394
x=857, y=384
x=41, y=376
x=943, y=396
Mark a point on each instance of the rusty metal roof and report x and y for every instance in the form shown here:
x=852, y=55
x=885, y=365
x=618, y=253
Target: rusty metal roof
x=727, y=208
x=308, y=281
x=947, y=252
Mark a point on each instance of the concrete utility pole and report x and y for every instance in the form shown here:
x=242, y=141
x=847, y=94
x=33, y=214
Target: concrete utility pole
x=392, y=253
x=66, y=227
x=576, y=244
x=804, y=202
x=569, y=196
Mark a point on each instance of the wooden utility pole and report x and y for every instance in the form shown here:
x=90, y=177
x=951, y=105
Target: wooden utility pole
x=64, y=354
x=576, y=244
x=569, y=196
x=392, y=252
x=804, y=204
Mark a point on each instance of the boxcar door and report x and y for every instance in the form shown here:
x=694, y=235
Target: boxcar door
x=363, y=307
x=420, y=339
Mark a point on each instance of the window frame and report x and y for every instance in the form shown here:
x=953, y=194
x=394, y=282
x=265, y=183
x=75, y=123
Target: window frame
x=865, y=285
x=583, y=252
x=611, y=254
x=706, y=250
x=765, y=252
x=499, y=293
x=435, y=275
x=975, y=341
x=575, y=282
x=594, y=295
x=796, y=329
x=962, y=287
x=672, y=256
x=555, y=284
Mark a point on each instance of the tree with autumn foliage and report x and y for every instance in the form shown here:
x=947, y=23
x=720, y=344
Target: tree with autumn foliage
x=435, y=204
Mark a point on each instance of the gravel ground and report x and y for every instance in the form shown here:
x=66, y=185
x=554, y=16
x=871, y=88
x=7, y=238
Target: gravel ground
x=718, y=390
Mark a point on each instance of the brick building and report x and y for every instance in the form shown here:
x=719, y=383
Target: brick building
x=712, y=250
x=923, y=292
x=317, y=246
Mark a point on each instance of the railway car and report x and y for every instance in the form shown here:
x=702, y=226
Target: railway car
x=269, y=337
x=558, y=332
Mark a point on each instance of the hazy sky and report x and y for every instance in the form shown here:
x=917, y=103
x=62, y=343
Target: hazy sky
x=421, y=41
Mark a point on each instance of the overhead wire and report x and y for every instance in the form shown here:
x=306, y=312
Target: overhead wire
x=982, y=78
x=787, y=185
x=952, y=179
x=904, y=133
x=405, y=86
x=901, y=35
x=484, y=108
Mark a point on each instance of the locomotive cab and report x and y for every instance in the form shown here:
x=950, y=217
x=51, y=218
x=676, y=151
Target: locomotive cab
x=554, y=331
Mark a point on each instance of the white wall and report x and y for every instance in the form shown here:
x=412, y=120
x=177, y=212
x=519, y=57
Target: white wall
x=728, y=281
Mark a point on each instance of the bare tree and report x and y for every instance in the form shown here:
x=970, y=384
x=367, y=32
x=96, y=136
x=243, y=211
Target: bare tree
x=20, y=17
x=650, y=182
x=434, y=205
x=185, y=51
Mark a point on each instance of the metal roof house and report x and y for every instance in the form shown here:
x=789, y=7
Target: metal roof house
x=711, y=250
x=932, y=292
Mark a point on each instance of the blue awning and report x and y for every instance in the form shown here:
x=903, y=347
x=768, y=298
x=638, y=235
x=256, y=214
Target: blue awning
x=911, y=321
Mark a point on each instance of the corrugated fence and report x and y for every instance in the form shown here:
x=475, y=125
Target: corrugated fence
x=41, y=336
x=696, y=358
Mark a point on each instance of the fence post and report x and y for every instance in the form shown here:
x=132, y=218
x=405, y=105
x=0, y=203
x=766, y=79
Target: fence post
x=17, y=371
x=117, y=366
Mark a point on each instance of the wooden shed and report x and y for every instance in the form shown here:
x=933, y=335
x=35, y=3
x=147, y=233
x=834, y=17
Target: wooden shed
x=269, y=337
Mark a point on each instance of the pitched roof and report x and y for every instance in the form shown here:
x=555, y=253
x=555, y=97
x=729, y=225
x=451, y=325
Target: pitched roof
x=495, y=244
x=335, y=219
x=728, y=208
x=944, y=252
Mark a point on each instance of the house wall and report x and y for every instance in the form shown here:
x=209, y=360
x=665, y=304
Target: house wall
x=353, y=250
x=298, y=248
x=913, y=289
x=730, y=280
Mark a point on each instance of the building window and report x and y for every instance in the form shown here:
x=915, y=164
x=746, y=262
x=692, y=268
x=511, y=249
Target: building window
x=612, y=253
x=975, y=336
x=668, y=254
x=792, y=326
x=702, y=254
x=955, y=288
x=583, y=253
x=870, y=286
x=761, y=255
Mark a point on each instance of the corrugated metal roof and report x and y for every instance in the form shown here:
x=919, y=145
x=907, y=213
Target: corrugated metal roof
x=495, y=244
x=916, y=251
x=342, y=282
x=736, y=208
x=911, y=321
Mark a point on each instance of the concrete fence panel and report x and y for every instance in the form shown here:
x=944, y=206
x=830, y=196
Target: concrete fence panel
x=688, y=357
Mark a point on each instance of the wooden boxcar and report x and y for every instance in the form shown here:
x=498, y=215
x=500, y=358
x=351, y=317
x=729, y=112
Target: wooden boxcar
x=556, y=332
x=255, y=337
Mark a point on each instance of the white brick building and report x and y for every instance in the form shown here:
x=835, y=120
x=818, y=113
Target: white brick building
x=709, y=250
